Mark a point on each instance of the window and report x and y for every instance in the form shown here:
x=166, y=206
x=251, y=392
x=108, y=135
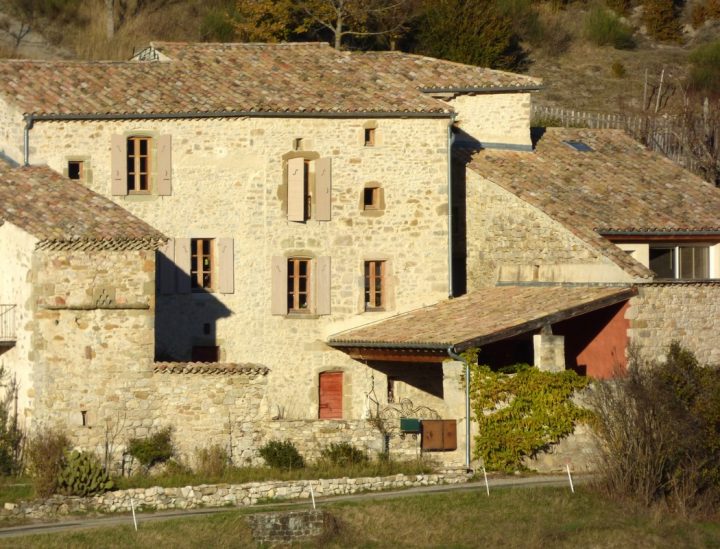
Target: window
x=301, y=285
x=298, y=285
x=309, y=189
x=369, y=137
x=374, y=285
x=579, y=146
x=371, y=198
x=681, y=262
x=141, y=164
x=76, y=169
x=138, y=164
x=201, y=264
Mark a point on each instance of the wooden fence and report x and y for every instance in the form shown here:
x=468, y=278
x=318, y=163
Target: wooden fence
x=658, y=133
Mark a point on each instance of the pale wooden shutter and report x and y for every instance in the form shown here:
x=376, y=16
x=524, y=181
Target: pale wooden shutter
x=226, y=265
x=323, y=283
x=118, y=165
x=182, y=260
x=279, y=286
x=166, y=267
x=296, y=189
x=323, y=189
x=164, y=165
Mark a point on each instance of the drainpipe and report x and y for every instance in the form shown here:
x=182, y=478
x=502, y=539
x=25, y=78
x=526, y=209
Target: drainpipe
x=29, y=119
x=451, y=140
x=452, y=354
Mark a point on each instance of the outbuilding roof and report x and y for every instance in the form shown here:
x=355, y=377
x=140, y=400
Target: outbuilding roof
x=61, y=213
x=482, y=317
x=617, y=186
x=300, y=78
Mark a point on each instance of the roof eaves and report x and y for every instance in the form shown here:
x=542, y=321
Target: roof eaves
x=483, y=89
x=435, y=113
x=370, y=344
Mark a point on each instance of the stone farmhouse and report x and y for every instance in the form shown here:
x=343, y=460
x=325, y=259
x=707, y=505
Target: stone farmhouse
x=257, y=241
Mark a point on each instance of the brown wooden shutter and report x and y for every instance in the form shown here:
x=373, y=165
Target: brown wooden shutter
x=323, y=283
x=323, y=189
x=226, y=266
x=330, y=395
x=296, y=189
x=182, y=260
x=118, y=165
x=166, y=267
x=164, y=165
x=279, y=286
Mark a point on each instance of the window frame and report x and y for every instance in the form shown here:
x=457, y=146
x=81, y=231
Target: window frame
x=369, y=137
x=293, y=290
x=80, y=170
x=134, y=158
x=197, y=275
x=677, y=258
x=371, y=281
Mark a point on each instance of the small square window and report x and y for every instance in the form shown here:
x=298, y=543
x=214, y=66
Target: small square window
x=371, y=198
x=369, y=137
x=75, y=169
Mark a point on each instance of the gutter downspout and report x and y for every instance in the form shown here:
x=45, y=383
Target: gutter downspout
x=451, y=140
x=452, y=354
x=29, y=119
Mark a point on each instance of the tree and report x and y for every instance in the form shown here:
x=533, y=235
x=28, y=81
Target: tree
x=268, y=20
x=700, y=136
x=24, y=15
x=469, y=31
x=661, y=19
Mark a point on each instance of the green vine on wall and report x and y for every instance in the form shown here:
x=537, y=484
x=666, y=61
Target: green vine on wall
x=520, y=414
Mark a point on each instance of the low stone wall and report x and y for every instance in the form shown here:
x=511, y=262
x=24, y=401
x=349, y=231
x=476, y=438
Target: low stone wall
x=289, y=527
x=220, y=495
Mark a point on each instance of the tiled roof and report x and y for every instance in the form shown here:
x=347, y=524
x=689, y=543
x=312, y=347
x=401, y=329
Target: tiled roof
x=246, y=78
x=62, y=213
x=428, y=73
x=482, y=317
x=619, y=186
x=212, y=368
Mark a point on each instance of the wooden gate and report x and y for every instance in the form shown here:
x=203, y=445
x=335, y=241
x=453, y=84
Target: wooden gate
x=330, y=395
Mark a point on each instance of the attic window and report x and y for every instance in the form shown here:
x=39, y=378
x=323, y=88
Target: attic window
x=578, y=145
x=75, y=169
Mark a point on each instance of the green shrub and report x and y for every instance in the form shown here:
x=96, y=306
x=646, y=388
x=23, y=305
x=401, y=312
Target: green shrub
x=618, y=70
x=522, y=414
x=83, y=475
x=217, y=26
x=281, y=455
x=604, y=28
x=705, y=69
x=155, y=449
x=661, y=18
x=659, y=429
x=46, y=455
x=343, y=454
x=11, y=436
x=212, y=461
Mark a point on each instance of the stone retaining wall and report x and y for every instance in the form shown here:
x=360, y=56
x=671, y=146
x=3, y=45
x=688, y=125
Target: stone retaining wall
x=289, y=527
x=220, y=495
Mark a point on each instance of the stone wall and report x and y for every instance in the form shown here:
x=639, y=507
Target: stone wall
x=686, y=312
x=290, y=526
x=228, y=182
x=221, y=495
x=494, y=120
x=505, y=234
x=11, y=133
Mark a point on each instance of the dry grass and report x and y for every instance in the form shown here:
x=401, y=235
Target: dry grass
x=508, y=518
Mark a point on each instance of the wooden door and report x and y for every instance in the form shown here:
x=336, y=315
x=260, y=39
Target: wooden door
x=330, y=395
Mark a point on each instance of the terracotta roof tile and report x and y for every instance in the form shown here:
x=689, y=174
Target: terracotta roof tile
x=212, y=368
x=619, y=186
x=56, y=210
x=482, y=317
x=217, y=78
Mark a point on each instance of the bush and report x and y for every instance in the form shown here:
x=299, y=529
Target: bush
x=46, y=455
x=83, y=475
x=704, y=11
x=661, y=20
x=217, y=26
x=11, y=436
x=212, y=461
x=281, y=455
x=618, y=70
x=157, y=448
x=659, y=433
x=705, y=70
x=604, y=28
x=343, y=454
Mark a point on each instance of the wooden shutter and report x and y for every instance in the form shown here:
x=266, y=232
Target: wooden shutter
x=330, y=397
x=166, y=267
x=226, y=266
x=118, y=165
x=323, y=189
x=296, y=189
x=163, y=174
x=323, y=282
x=182, y=260
x=279, y=285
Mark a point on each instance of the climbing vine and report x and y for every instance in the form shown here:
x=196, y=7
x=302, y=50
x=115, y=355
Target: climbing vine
x=522, y=413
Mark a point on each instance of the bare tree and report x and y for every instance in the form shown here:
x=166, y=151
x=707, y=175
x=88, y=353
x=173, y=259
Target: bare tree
x=700, y=135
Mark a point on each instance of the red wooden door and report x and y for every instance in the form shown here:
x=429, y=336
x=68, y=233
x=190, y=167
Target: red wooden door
x=330, y=395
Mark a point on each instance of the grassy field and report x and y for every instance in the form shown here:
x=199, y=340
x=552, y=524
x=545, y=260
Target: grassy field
x=508, y=518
